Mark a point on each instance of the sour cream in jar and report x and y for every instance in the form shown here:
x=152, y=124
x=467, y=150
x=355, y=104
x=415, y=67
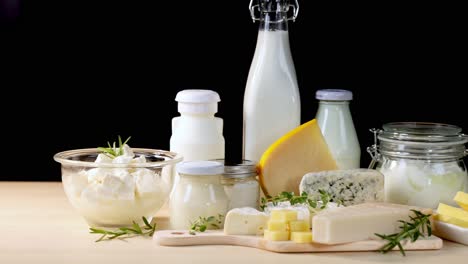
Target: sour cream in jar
x=198, y=193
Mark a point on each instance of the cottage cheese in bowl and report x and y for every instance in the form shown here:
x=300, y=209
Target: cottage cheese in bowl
x=115, y=191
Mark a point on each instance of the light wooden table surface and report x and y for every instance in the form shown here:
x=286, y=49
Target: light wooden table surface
x=38, y=225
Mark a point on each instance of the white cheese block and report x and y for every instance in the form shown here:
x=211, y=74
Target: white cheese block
x=245, y=221
x=359, y=222
x=347, y=186
x=451, y=232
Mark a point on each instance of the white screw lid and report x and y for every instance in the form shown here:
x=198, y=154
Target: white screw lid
x=197, y=101
x=200, y=168
x=334, y=95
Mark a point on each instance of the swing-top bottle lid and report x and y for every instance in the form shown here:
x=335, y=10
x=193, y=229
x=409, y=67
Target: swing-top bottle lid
x=197, y=101
x=334, y=95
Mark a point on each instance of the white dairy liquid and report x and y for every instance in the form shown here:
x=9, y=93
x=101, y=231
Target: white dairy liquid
x=336, y=124
x=271, y=101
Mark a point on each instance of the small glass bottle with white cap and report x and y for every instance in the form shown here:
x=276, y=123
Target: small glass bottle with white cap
x=197, y=193
x=335, y=121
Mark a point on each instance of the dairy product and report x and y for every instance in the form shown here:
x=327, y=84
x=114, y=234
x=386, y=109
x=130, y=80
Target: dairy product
x=301, y=237
x=360, y=222
x=276, y=235
x=299, y=225
x=198, y=193
x=243, y=194
x=345, y=186
x=245, y=221
x=271, y=100
x=422, y=183
x=336, y=124
x=452, y=215
x=302, y=210
x=461, y=198
x=116, y=196
x=300, y=151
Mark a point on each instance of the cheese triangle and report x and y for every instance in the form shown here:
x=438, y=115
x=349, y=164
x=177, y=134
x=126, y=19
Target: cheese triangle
x=300, y=151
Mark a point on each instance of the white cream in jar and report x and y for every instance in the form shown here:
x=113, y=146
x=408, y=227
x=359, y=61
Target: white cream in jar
x=198, y=193
x=422, y=162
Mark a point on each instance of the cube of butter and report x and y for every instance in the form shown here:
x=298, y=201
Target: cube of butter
x=462, y=200
x=276, y=235
x=275, y=225
x=283, y=215
x=299, y=226
x=301, y=237
x=452, y=215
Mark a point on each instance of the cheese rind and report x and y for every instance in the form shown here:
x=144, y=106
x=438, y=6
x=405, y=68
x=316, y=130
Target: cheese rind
x=461, y=198
x=298, y=152
x=301, y=237
x=276, y=235
x=360, y=222
x=347, y=186
x=245, y=221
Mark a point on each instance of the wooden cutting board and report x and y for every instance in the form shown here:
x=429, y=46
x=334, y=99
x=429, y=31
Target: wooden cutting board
x=217, y=237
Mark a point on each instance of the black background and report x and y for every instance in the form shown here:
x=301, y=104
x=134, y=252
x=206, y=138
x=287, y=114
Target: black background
x=80, y=73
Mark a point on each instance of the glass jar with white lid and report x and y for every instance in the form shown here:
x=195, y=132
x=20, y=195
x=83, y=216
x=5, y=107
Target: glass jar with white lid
x=198, y=193
x=422, y=162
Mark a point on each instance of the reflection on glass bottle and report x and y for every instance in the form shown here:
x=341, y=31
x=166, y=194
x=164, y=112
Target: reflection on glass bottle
x=271, y=100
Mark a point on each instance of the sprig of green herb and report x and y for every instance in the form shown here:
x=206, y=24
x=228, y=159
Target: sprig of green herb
x=419, y=225
x=324, y=198
x=112, y=151
x=203, y=223
x=125, y=232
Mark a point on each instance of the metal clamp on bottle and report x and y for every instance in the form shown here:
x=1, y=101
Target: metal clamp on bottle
x=266, y=6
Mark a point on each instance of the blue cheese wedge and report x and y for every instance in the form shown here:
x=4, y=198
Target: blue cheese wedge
x=347, y=187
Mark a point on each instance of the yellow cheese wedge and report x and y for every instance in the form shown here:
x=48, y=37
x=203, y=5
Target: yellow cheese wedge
x=299, y=226
x=452, y=215
x=283, y=215
x=301, y=237
x=276, y=235
x=462, y=200
x=300, y=151
x=275, y=225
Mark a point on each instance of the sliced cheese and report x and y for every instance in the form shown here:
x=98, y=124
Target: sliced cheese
x=360, y=222
x=299, y=226
x=276, y=235
x=300, y=151
x=245, y=221
x=301, y=237
x=452, y=215
x=462, y=200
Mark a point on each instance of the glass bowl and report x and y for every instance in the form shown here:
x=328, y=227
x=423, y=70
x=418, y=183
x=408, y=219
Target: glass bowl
x=115, y=195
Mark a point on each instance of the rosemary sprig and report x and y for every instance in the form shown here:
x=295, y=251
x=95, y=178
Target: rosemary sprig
x=325, y=198
x=202, y=223
x=125, y=232
x=113, y=151
x=419, y=225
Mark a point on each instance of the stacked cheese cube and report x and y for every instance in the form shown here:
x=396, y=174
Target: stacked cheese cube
x=453, y=215
x=283, y=225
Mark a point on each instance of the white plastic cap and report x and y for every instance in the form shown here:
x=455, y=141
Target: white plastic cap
x=197, y=101
x=200, y=168
x=334, y=95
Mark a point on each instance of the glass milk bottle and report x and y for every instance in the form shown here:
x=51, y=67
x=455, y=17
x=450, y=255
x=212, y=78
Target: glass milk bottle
x=271, y=99
x=336, y=124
